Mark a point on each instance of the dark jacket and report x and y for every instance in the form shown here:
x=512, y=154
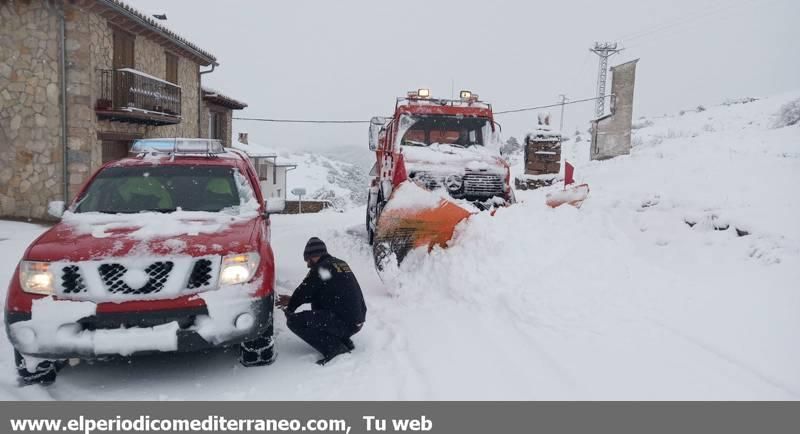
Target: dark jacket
x=331, y=285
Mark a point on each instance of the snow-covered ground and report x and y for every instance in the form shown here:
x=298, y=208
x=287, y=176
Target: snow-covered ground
x=620, y=299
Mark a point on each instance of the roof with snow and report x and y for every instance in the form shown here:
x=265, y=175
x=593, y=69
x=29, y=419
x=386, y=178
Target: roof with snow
x=217, y=97
x=137, y=22
x=258, y=151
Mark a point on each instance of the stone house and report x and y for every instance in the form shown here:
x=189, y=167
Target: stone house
x=79, y=81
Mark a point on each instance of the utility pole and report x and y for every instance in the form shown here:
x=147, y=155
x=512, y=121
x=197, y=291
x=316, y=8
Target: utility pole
x=604, y=50
x=561, y=119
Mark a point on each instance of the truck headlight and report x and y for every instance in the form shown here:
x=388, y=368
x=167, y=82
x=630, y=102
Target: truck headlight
x=36, y=278
x=454, y=182
x=238, y=268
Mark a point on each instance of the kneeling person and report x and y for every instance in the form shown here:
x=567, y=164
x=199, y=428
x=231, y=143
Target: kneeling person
x=337, y=304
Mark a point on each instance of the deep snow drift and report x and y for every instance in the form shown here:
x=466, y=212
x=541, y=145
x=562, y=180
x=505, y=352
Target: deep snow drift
x=676, y=279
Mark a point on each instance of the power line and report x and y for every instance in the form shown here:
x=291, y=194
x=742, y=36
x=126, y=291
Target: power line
x=302, y=121
x=719, y=8
x=525, y=109
x=324, y=121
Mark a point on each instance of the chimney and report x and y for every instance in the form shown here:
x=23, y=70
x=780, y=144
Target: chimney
x=243, y=138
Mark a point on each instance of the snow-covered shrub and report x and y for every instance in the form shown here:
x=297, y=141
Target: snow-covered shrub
x=789, y=114
x=745, y=100
x=701, y=108
x=511, y=146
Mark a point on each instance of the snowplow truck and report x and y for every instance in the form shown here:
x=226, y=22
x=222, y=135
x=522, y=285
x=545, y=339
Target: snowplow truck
x=437, y=161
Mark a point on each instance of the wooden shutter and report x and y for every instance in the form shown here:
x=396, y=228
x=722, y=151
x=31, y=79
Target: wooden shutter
x=172, y=68
x=123, y=49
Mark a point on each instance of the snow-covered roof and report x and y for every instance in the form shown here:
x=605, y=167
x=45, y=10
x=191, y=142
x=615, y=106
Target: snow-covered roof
x=259, y=151
x=219, y=98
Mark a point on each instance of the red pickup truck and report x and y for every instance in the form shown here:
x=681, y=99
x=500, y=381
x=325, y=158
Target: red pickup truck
x=168, y=250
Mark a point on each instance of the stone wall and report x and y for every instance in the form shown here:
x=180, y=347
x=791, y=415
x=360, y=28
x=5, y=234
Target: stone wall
x=30, y=133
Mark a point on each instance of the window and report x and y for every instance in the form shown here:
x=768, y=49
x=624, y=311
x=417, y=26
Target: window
x=447, y=130
x=123, y=49
x=172, y=68
x=162, y=189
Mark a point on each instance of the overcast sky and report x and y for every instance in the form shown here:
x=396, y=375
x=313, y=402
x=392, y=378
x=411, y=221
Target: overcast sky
x=350, y=59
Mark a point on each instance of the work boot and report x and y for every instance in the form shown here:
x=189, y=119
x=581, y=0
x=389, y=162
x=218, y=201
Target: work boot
x=340, y=350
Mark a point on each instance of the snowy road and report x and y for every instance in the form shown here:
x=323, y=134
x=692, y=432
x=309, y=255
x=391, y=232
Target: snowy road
x=621, y=299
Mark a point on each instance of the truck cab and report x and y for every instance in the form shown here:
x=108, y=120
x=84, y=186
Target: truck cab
x=438, y=144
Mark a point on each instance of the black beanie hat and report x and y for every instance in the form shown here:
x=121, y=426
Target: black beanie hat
x=314, y=247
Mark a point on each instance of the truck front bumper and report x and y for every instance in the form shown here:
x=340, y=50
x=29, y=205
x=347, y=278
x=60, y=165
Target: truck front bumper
x=136, y=333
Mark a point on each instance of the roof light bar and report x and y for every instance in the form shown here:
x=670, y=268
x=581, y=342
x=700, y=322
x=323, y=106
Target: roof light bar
x=177, y=146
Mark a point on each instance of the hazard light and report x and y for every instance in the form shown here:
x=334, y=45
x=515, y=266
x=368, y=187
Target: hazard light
x=419, y=93
x=466, y=95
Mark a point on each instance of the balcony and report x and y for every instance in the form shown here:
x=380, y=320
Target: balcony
x=127, y=95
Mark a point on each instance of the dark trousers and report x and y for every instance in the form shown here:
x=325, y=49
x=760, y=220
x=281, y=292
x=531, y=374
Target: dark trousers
x=321, y=329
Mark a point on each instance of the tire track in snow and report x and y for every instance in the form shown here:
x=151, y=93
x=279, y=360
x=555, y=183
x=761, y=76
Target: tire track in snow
x=730, y=359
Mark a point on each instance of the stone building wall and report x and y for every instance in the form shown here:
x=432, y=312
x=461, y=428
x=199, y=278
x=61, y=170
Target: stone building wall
x=30, y=121
x=30, y=126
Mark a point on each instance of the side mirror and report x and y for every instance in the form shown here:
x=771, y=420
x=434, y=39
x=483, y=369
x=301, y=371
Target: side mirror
x=56, y=208
x=274, y=206
x=377, y=126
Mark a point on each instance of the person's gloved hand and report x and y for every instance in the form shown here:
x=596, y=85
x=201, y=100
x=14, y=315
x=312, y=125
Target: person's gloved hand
x=283, y=301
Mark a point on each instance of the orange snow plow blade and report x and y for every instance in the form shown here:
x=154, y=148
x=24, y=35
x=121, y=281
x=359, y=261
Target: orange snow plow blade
x=403, y=228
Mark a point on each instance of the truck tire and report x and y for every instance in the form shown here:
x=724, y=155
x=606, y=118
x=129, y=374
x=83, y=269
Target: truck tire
x=45, y=372
x=258, y=352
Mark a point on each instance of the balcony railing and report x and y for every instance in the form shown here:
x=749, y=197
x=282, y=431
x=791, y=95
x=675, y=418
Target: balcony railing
x=131, y=96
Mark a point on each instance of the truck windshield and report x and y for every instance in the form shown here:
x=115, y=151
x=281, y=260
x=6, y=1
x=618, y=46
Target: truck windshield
x=161, y=189
x=447, y=130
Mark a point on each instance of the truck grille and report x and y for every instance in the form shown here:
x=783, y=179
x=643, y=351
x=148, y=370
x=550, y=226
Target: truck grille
x=72, y=280
x=483, y=184
x=201, y=275
x=112, y=275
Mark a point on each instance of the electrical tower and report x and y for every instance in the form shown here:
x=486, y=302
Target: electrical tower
x=604, y=50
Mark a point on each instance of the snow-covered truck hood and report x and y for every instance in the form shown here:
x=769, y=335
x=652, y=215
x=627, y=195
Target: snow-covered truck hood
x=452, y=159
x=81, y=237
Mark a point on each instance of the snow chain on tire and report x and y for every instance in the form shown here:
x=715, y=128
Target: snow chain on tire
x=45, y=372
x=258, y=352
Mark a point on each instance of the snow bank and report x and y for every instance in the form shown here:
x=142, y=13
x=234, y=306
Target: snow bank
x=409, y=195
